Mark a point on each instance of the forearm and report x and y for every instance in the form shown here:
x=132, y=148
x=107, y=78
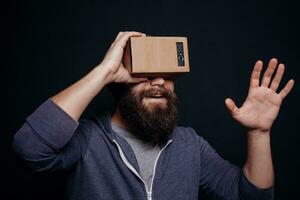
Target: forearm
x=74, y=99
x=52, y=125
x=259, y=167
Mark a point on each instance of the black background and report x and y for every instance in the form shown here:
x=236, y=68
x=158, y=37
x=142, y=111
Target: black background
x=52, y=44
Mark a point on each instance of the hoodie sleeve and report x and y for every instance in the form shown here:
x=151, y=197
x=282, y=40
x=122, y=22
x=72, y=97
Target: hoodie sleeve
x=223, y=180
x=50, y=139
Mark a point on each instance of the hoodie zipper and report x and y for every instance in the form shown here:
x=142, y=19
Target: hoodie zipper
x=124, y=159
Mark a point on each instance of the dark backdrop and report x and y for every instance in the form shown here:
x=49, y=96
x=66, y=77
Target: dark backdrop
x=52, y=44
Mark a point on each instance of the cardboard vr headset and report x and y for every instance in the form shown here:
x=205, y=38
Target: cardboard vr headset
x=156, y=56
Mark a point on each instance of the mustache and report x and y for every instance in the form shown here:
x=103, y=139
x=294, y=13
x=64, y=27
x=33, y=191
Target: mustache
x=163, y=92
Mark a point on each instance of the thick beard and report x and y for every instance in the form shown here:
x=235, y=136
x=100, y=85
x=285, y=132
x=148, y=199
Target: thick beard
x=154, y=125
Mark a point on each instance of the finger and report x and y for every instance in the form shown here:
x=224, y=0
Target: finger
x=287, y=88
x=117, y=38
x=254, y=82
x=268, y=73
x=122, y=34
x=231, y=106
x=276, y=81
x=119, y=34
x=124, y=38
x=127, y=35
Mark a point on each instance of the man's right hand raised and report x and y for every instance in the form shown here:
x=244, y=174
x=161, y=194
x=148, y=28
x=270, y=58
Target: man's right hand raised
x=75, y=98
x=112, y=62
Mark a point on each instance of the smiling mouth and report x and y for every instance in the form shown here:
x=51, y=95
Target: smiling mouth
x=155, y=99
x=156, y=96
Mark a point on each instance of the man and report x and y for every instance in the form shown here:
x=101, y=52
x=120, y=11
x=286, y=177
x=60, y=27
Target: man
x=139, y=152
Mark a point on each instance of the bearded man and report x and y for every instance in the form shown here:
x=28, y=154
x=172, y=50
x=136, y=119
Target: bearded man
x=139, y=152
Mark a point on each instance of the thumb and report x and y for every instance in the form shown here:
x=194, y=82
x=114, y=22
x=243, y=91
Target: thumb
x=231, y=107
x=137, y=80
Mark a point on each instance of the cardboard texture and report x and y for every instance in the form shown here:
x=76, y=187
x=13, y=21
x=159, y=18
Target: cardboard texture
x=156, y=56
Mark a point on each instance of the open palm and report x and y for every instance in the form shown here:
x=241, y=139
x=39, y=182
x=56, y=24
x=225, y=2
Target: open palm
x=262, y=104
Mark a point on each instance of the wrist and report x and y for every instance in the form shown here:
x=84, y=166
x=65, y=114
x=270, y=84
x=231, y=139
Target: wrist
x=257, y=137
x=105, y=72
x=258, y=132
x=259, y=167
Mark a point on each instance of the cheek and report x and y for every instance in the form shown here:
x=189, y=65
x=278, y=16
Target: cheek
x=138, y=89
x=169, y=86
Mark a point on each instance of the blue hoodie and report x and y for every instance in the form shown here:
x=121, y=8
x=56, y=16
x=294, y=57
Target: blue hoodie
x=104, y=167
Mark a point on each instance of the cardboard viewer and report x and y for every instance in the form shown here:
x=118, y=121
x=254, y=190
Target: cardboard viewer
x=156, y=56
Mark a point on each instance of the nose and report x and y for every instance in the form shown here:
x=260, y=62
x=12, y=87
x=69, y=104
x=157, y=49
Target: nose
x=159, y=81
